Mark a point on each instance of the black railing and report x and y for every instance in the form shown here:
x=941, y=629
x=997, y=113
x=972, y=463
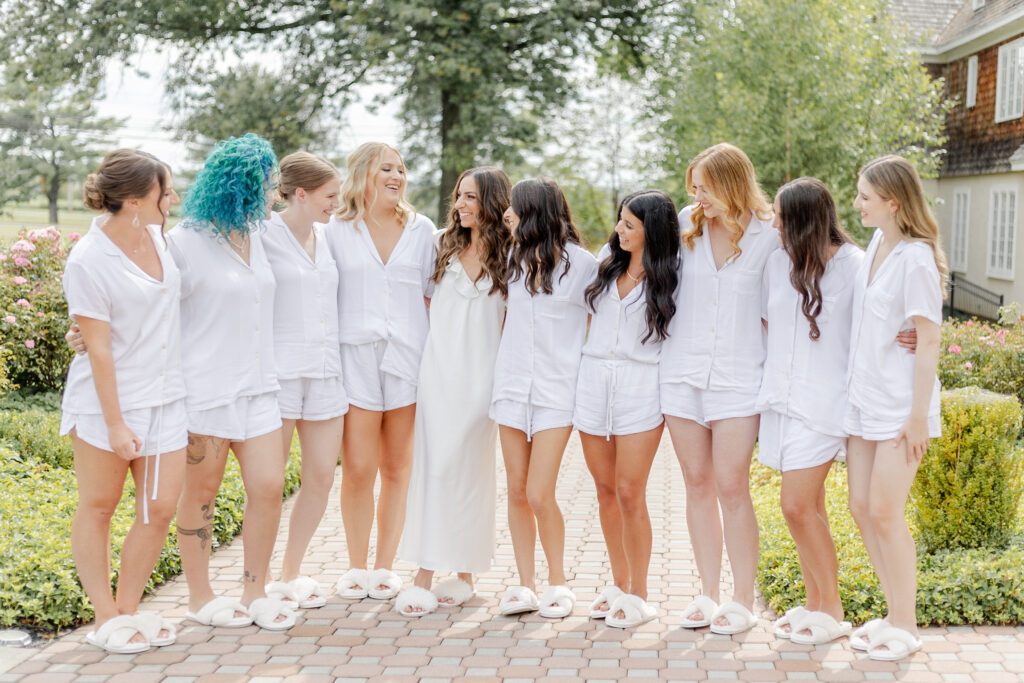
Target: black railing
x=967, y=298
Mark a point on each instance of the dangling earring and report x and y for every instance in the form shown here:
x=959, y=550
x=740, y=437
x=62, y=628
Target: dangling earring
x=135, y=220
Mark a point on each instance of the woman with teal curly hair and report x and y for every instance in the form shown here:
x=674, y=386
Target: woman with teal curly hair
x=227, y=308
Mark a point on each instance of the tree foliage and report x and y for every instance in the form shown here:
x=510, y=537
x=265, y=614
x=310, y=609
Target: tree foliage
x=48, y=134
x=804, y=87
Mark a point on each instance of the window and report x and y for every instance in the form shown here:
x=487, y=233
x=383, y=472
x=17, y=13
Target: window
x=972, y=81
x=1010, y=82
x=1001, y=231
x=961, y=213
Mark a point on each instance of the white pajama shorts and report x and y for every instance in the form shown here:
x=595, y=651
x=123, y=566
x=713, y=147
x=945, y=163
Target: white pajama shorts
x=245, y=418
x=704, y=406
x=306, y=398
x=369, y=386
x=786, y=443
x=870, y=428
x=527, y=418
x=162, y=429
x=616, y=397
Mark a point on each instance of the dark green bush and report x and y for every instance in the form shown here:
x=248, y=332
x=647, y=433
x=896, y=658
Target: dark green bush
x=35, y=435
x=968, y=490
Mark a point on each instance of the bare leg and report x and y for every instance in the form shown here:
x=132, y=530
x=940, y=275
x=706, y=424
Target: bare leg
x=692, y=444
x=395, y=470
x=634, y=455
x=100, y=475
x=359, y=459
x=515, y=449
x=321, y=443
x=600, y=456
x=860, y=461
x=545, y=460
x=205, y=459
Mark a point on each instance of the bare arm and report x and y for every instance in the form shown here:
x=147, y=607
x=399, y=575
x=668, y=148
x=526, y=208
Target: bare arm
x=926, y=361
x=96, y=335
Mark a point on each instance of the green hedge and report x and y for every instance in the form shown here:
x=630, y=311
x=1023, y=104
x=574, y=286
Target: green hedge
x=979, y=586
x=38, y=583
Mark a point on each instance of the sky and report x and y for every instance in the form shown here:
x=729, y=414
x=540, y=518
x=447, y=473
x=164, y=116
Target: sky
x=135, y=91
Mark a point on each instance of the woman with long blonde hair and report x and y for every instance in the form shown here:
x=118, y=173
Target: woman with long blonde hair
x=386, y=256
x=710, y=373
x=894, y=396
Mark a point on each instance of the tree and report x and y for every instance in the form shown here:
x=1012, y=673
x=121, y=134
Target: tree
x=803, y=87
x=51, y=133
x=476, y=76
x=248, y=99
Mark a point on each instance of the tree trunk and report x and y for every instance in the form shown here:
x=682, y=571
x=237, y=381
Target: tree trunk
x=451, y=151
x=53, y=195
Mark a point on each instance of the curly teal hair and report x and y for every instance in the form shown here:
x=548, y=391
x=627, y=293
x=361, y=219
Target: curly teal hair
x=230, y=190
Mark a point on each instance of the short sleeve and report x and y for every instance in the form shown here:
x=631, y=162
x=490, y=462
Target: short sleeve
x=585, y=265
x=922, y=291
x=180, y=260
x=85, y=296
x=766, y=283
x=605, y=252
x=428, y=257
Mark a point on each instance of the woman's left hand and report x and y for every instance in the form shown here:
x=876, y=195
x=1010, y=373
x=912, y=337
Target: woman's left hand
x=915, y=433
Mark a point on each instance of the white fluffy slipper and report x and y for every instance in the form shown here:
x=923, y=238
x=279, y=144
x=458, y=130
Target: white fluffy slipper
x=739, y=619
x=151, y=624
x=283, y=591
x=265, y=611
x=518, y=599
x=308, y=592
x=635, y=611
x=821, y=628
x=353, y=584
x=387, y=578
x=453, y=592
x=790, y=618
x=221, y=612
x=415, y=597
x=703, y=604
x=557, y=602
x=897, y=642
x=115, y=636
x=607, y=597
x=860, y=639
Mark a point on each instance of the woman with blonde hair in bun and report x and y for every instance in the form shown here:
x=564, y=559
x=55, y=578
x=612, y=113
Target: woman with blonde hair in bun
x=385, y=254
x=312, y=397
x=710, y=375
x=124, y=402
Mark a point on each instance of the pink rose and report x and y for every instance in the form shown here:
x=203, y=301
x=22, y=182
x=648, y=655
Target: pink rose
x=24, y=246
x=969, y=323
x=18, y=280
x=11, y=320
x=33, y=235
x=75, y=236
x=30, y=343
x=52, y=233
x=3, y=257
x=969, y=365
x=955, y=348
x=23, y=302
x=40, y=314
x=21, y=261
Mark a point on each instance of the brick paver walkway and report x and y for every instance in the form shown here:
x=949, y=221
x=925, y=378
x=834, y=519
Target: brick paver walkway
x=367, y=640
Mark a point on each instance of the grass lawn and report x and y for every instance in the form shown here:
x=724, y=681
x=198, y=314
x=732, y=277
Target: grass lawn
x=14, y=218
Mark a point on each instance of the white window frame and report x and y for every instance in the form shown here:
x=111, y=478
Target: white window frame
x=960, y=233
x=1002, y=228
x=977, y=5
x=1010, y=82
x=971, y=97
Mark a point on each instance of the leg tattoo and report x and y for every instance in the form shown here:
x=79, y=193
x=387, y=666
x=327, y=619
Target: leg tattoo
x=204, y=533
x=199, y=447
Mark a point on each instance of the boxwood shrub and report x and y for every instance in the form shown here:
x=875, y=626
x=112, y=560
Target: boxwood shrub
x=39, y=586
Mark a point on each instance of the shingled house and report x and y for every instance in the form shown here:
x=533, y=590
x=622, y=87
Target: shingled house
x=977, y=48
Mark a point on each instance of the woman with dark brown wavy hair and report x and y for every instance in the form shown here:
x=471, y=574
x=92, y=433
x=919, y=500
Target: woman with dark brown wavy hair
x=808, y=313
x=452, y=492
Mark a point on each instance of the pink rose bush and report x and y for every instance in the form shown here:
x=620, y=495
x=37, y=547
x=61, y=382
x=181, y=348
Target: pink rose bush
x=34, y=316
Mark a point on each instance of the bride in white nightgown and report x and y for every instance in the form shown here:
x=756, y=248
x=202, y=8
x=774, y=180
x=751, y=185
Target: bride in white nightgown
x=449, y=524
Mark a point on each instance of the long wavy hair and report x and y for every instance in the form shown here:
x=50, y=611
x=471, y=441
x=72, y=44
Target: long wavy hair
x=545, y=227
x=660, y=259
x=358, y=193
x=895, y=178
x=810, y=229
x=731, y=184
x=493, y=190
x=230, y=191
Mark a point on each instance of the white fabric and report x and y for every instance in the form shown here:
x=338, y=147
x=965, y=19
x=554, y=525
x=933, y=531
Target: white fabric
x=787, y=443
x=244, y=418
x=312, y=399
x=704, y=406
x=305, y=304
x=162, y=429
x=527, y=418
x=227, y=318
x=539, y=355
x=384, y=302
x=617, y=390
x=368, y=384
x=716, y=340
x=906, y=284
x=102, y=283
x=804, y=378
x=449, y=523
x=884, y=427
